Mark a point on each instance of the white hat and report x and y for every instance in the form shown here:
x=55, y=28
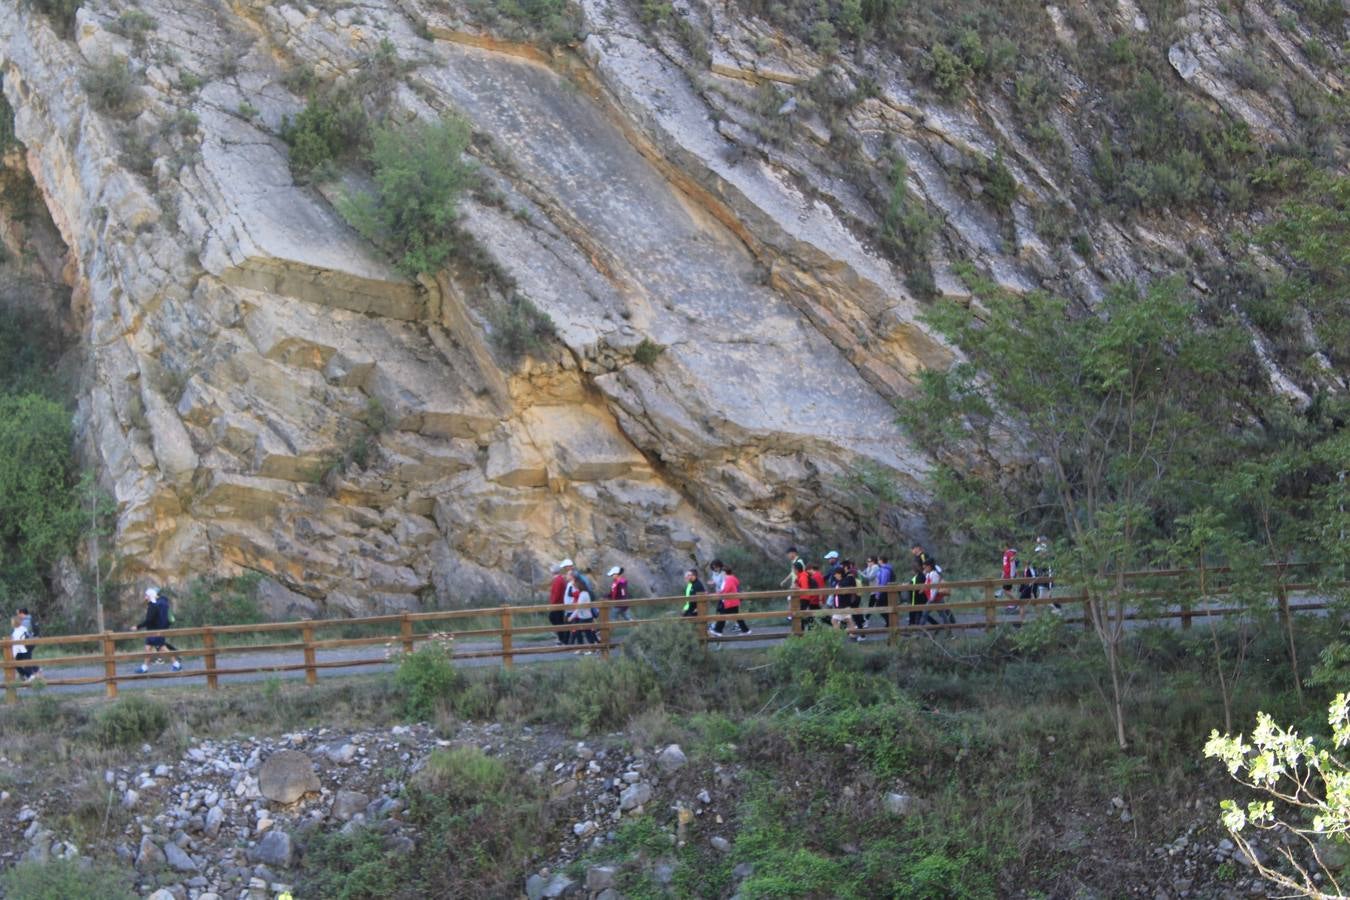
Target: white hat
x=614, y=571
x=833, y=554
x=566, y=563
x=151, y=595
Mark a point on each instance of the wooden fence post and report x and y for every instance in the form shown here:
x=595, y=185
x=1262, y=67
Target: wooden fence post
x=11, y=696
x=406, y=632
x=604, y=632
x=795, y=611
x=703, y=623
x=209, y=658
x=311, y=673
x=990, y=608
x=109, y=667
x=507, y=658
x=892, y=617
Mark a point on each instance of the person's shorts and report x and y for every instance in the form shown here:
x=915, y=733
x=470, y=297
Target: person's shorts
x=154, y=642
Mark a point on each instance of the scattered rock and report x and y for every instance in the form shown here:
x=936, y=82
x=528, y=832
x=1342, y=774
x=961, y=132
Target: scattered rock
x=178, y=859
x=558, y=886
x=215, y=817
x=348, y=803
x=343, y=755
x=149, y=856
x=274, y=849
x=671, y=759
x=634, y=796
x=287, y=776
x=598, y=878
x=720, y=844
x=163, y=894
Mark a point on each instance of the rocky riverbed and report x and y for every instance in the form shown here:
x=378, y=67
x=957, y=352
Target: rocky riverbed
x=232, y=818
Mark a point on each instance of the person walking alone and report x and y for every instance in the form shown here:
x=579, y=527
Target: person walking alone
x=728, y=601
x=618, y=590
x=1009, y=573
x=156, y=619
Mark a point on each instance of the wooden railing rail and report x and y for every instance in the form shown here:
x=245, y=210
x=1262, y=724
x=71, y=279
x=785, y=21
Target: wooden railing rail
x=1150, y=591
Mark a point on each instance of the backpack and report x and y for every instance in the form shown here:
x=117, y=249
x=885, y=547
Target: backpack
x=817, y=580
x=166, y=616
x=33, y=630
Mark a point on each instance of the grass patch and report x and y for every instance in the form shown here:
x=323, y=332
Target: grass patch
x=130, y=721
x=111, y=87
x=62, y=879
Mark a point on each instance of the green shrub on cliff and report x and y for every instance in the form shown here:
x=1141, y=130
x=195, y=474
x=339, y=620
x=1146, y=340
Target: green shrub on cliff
x=419, y=173
x=39, y=512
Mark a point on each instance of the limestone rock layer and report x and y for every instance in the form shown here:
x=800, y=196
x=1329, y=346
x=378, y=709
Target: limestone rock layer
x=264, y=392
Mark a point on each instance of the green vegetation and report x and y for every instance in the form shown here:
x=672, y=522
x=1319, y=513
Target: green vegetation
x=333, y=126
x=550, y=22
x=428, y=680
x=61, y=12
x=1305, y=791
x=419, y=172
x=7, y=139
x=61, y=879
x=134, y=25
x=647, y=352
x=480, y=822
x=906, y=230
x=111, y=87
x=519, y=328
x=130, y=722
x=39, y=508
x=219, y=601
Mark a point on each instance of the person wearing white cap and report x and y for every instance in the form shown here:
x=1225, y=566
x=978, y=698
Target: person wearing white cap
x=557, y=591
x=156, y=619
x=618, y=590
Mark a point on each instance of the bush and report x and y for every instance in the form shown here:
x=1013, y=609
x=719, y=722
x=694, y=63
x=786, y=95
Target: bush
x=39, y=511
x=332, y=126
x=429, y=681
x=111, y=87
x=7, y=139
x=220, y=601
x=419, y=173
x=62, y=879
x=61, y=12
x=480, y=820
x=134, y=25
x=646, y=352
x=350, y=866
x=130, y=721
x=519, y=327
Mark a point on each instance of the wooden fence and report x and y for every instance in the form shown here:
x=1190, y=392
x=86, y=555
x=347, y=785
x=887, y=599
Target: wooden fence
x=524, y=631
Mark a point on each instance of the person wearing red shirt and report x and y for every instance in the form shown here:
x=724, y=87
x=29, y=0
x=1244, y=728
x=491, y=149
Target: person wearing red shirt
x=1009, y=572
x=557, y=591
x=728, y=601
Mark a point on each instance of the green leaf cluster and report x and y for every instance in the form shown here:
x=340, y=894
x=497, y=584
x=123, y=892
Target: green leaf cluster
x=419, y=173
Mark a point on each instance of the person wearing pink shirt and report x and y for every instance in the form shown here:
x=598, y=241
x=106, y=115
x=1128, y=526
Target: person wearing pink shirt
x=729, y=601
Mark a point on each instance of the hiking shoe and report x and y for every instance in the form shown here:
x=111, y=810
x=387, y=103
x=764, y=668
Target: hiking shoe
x=747, y=631
x=177, y=665
x=141, y=669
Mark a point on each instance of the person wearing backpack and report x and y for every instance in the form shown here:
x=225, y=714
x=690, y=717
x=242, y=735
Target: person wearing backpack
x=21, y=651
x=814, y=579
x=158, y=617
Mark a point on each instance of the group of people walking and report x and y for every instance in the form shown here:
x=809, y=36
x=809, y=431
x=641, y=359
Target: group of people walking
x=835, y=587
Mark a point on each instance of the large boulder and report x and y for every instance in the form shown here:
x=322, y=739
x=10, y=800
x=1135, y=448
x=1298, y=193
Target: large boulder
x=287, y=776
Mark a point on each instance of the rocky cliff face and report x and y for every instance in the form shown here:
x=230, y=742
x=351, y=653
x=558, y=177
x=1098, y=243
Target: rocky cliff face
x=263, y=391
